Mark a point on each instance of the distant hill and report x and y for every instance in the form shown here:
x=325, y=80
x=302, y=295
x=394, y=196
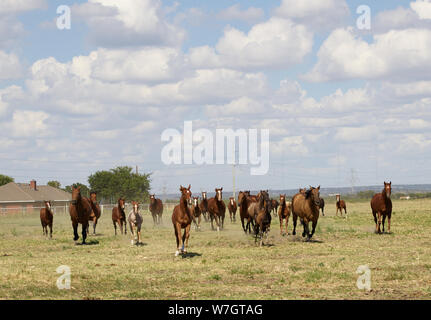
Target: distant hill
x=406, y=188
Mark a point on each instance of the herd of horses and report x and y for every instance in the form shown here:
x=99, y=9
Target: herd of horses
x=254, y=211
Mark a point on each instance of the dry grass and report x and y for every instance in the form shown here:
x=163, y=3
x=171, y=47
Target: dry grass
x=226, y=265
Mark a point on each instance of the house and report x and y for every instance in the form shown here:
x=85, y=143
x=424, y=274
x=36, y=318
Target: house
x=20, y=197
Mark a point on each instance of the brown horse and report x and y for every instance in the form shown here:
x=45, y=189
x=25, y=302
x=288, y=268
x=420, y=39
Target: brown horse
x=80, y=210
x=274, y=206
x=96, y=212
x=322, y=206
x=244, y=202
x=182, y=218
x=306, y=207
x=135, y=222
x=252, y=197
x=284, y=212
x=204, y=206
x=46, y=218
x=381, y=205
x=262, y=216
x=302, y=191
x=232, y=209
x=217, y=209
x=197, y=212
x=119, y=216
x=340, y=204
x=156, y=209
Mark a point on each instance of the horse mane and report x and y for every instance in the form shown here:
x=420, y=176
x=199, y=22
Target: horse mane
x=308, y=193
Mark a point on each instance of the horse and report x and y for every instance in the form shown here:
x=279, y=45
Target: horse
x=197, y=212
x=119, y=216
x=274, y=206
x=302, y=190
x=381, y=205
x=204, y=205
x=46, y=218
x=244, y=202
x=135, y=221
x=232, y=209
x=322, y=206
x=262, y=216
x=217, y=209
x=182, y=218
x=306, y=207
x=96, y=212
x=252, y=197
x=80, y=211
x=156, y=209
x=284, y=212
x=340, y=204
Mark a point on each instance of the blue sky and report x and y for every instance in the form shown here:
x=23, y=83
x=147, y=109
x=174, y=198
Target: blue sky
x=334, y=98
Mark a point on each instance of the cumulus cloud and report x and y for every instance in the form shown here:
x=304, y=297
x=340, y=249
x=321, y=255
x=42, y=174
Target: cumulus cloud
x=401, y=54
x=316, y=14
x=10, y=66
x=128, y=23
x=275, y=43
x=422, y=8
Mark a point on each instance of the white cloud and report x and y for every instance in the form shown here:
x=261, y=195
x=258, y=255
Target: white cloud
x=399, y=18
x=17, y=6
x=234, y=12
x=422, y=8
x=29, y=124
x=243, y=105
x=128, y=22
x=357, y=134
x=10, y=66
x=402, y=54
x=316, y=14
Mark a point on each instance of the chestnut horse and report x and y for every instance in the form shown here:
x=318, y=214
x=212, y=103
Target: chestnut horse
x=322, y=206
x=381, y=205
x=244, y=202
x=119, y=216
x=182, y=218
x=306, y=207
x=135, y=222
x=232, y=209
x=197, y=212
x=156, y=209
x=46, y=217
x=80, y=210
x=204, y=205
x=96, y=212
x=262, y=216
x=340, y=204
x=284, y=212
x=217, y=209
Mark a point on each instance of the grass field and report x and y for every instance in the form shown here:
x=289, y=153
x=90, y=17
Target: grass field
x=226, y=265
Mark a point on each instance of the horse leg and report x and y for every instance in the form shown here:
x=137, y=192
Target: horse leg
x=94, y=225
x=295, y=218
x=375, y=220
x=177, y=238
x=138, y=231
x=115, y=227
x=75, y=231
x=50, y=230
x=217, y=219
x=84, y=232
x=380, y=221
x=314, y=224
x=281, y=226
x=187, y=236
x=132, y=231
x=383, y=223
x=125, y=227
x=184, y=239
x=389, y=223
x=287, y=222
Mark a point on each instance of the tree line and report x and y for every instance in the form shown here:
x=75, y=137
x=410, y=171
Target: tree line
x=109, y=185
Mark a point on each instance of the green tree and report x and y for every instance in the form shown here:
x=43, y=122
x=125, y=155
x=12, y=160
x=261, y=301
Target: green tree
x=85, y=191
x=54, y=184
x=120, y=182
x=5, y=180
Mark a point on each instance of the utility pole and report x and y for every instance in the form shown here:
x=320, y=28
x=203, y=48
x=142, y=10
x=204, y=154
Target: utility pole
x=353, y=179
x=233, y=182
x=137, y=172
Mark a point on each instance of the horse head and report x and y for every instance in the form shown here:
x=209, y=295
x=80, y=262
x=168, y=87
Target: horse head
x=219, y=194
x=121, y=203
x=388, y=188
x=186, y=194
x=338, y=197
x=152, y=198
x=76, y=195
x=282, y=198
x=314, y=194
x=135, y=206
x=204, y=195
x=93, y=196
x=47, y=204
x=196, y=202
